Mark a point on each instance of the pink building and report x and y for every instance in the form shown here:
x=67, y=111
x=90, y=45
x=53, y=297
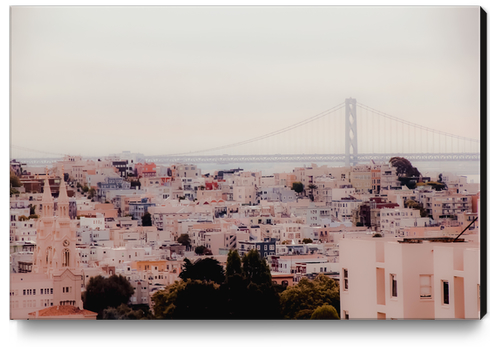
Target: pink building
x=410, y=279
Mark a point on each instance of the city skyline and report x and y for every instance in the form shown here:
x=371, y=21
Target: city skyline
x=167, y=78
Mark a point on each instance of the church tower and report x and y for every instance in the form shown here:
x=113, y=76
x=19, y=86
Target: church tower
x=56, y=255
x=44, y=251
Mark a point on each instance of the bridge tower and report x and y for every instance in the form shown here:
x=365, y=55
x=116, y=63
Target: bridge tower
x=350, y=132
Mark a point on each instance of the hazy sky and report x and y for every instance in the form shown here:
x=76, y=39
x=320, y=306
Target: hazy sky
x=158, y=80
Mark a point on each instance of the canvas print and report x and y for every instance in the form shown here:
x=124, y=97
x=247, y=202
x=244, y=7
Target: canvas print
x=246, y=163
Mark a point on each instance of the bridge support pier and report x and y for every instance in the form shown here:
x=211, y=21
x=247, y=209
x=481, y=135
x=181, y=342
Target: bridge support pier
x=350, y=132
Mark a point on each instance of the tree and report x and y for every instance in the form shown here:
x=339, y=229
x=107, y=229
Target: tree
x=184, y=240
x=123, y=312
x=201, y=250
x=312, y=188
x=255, y=268
x=404, y=168
x=233, y=264
x=298, y=187
x=247, y=291
x=102, y=293
x=146, y=220
x=14, y=180
x=309, y=295
x=207, y=269
x=417, y=206
x=91, y=193
x=307, y=240
x=32, y=209
x=325, y=312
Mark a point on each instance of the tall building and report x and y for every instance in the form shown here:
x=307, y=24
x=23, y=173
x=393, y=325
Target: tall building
x=56, y=277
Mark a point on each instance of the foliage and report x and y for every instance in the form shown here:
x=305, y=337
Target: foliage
x=325, y=312
x=23, y=218
x=123, y=312
x=184, y=240
x=247, y=291
x=189, y=299
x=309, y=295
x=298, y=187
x=377, y=235
x=255, y=268
x=307, y=240
x=14, y=180
x=233, y=264
x=201, y=250
x=208, y=269
x=164, y=300
x=238, y=297
x=91, y=193
x=85, y=188
x=417, y=206
x=33, y=216
x=13, y=191
x=102, y=293
x=146, y=220
x=312, y=187
x=404, y=168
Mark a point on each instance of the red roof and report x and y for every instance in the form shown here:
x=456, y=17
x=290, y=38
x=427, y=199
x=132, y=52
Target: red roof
x=62, y=310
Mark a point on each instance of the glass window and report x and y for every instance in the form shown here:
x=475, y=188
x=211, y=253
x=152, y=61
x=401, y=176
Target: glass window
x=425, y=286
x=394, y=286
x=445, y=292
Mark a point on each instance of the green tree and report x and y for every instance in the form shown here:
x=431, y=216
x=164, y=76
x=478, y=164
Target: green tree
x=164, y=300
x=184, y=240
x=312, y=187
x=255, y=268
x=247, y=291
x=404, y=167
x=307, y=240
x=309, y=295
x=233, y=264
x=417, y=206
x=201, y=250
x=102, y=293
x=207, y=269
x=189, y=299
x=123, y=312
x=146, y=220
x=14, y=180
x=325, y=312
x=91, y=193
x=298, y=187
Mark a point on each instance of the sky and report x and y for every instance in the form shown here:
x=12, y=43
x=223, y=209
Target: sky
x=161, y=80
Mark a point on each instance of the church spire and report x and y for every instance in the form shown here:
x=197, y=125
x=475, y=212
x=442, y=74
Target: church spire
x=63, y=202
x=47, y=201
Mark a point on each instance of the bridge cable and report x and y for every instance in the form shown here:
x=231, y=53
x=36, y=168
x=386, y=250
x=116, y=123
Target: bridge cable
x=262, y=137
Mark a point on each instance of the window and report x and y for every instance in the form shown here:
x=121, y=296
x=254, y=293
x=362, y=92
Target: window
x=445, y=292
x=394, y=287
x=346, y=279
x=425, y=287
x=66, y=258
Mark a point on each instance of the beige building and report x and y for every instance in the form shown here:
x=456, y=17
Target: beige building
x=56, y=277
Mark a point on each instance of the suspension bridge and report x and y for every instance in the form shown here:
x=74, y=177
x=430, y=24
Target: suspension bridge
x=368, y=135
